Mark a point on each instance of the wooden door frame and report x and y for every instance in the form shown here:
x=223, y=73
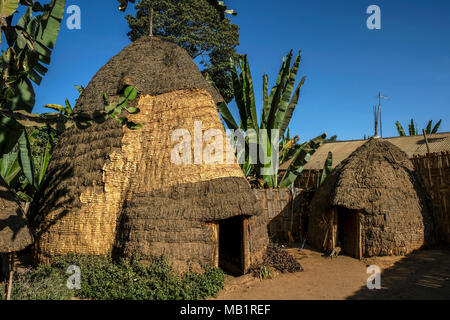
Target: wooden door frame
x=245, y=247
x=334, y=231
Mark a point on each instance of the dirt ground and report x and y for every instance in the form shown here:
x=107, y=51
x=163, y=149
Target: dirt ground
x=424, y=274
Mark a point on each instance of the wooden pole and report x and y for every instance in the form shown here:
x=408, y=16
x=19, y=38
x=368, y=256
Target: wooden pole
x=379, y=112
x=426, y=141
x=291, y=199
x=375, y=115
x=151, y=23
x=11, y=275
x=428, y=161
x=381, y=124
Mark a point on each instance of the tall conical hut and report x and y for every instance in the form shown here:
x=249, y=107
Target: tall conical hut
x=371, y=204
x=112, y=190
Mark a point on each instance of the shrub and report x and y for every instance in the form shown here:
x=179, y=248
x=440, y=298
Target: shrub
x=263, y=272
x=42, y=283
x=103, y=278
x=275, y=258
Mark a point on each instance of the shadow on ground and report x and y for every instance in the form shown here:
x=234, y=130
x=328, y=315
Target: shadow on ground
x=423, y=274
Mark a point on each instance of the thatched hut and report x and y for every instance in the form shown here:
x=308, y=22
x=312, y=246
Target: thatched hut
x=371, y=204
x=114, y=190
x=14, y=233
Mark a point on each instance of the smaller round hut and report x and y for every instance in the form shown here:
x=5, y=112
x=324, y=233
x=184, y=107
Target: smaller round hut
x=371, y=204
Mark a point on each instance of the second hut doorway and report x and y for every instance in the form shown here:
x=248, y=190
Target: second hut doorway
x=348, y=235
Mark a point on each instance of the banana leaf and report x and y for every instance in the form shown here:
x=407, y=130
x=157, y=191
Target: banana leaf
x=428, y=128
x=327, y=167
x=286, y=94
x=25, y=157
x=400, y=130
x=301, y=158
x=227, y=116
x=9, y=166
x=45, y=160
x=436, y=127
x=277, y=93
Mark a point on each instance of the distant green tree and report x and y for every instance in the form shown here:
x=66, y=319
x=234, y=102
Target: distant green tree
x=331, y=139
x=199, y=26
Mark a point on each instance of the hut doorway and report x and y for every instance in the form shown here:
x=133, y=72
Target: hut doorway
x=348, y=232
x=232, y=248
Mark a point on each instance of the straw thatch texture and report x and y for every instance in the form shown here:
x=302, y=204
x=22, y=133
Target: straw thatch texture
x=14, y=232
x=94, y=171
x=172, y=221
x=172, y=202
x=434, y=170
x=378, y=181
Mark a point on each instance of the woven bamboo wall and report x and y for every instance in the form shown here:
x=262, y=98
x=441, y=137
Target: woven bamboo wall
x=308, y=179
x=435, y=171
x=284, y=213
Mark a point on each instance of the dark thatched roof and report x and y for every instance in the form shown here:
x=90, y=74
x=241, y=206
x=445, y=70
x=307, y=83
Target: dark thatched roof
x=378, y=180
x=152, y=66
x=14, y=233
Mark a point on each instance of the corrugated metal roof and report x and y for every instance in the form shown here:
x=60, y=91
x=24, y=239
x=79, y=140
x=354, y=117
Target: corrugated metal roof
x=414, y=145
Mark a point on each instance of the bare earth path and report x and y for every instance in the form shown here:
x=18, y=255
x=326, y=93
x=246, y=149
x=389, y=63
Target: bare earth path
x=424, y=274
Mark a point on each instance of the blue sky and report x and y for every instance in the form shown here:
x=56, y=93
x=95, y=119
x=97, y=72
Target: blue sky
x=345, y=63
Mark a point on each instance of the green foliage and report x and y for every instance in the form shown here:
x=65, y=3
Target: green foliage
x=263, y=272
x=115, y=110
x=400, y=130
x=199, y=26
x=41, y=283
x=276, y=112
x=327, y=168
x=413, y=130
x=105, y=279
x=8, y=7
x=300, y=159
x=29, y=47
x=219, y=5
x=435, y=128
x=331, y=139
x=24, y=167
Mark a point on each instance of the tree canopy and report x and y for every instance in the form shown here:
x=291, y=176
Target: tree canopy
x=199, y=26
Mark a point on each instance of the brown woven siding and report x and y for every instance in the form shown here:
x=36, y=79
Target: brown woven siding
x=435, y=172
x=285, y=213
x=142, y=164
x=173, y=221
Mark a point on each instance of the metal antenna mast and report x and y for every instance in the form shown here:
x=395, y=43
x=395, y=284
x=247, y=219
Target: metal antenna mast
x=380, y=97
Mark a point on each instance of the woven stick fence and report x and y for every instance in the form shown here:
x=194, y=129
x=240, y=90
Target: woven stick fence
x=435, y=171
x=284, y=211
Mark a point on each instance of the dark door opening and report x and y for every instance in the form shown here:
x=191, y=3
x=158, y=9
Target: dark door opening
x=348, y=232
x=231, y=255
